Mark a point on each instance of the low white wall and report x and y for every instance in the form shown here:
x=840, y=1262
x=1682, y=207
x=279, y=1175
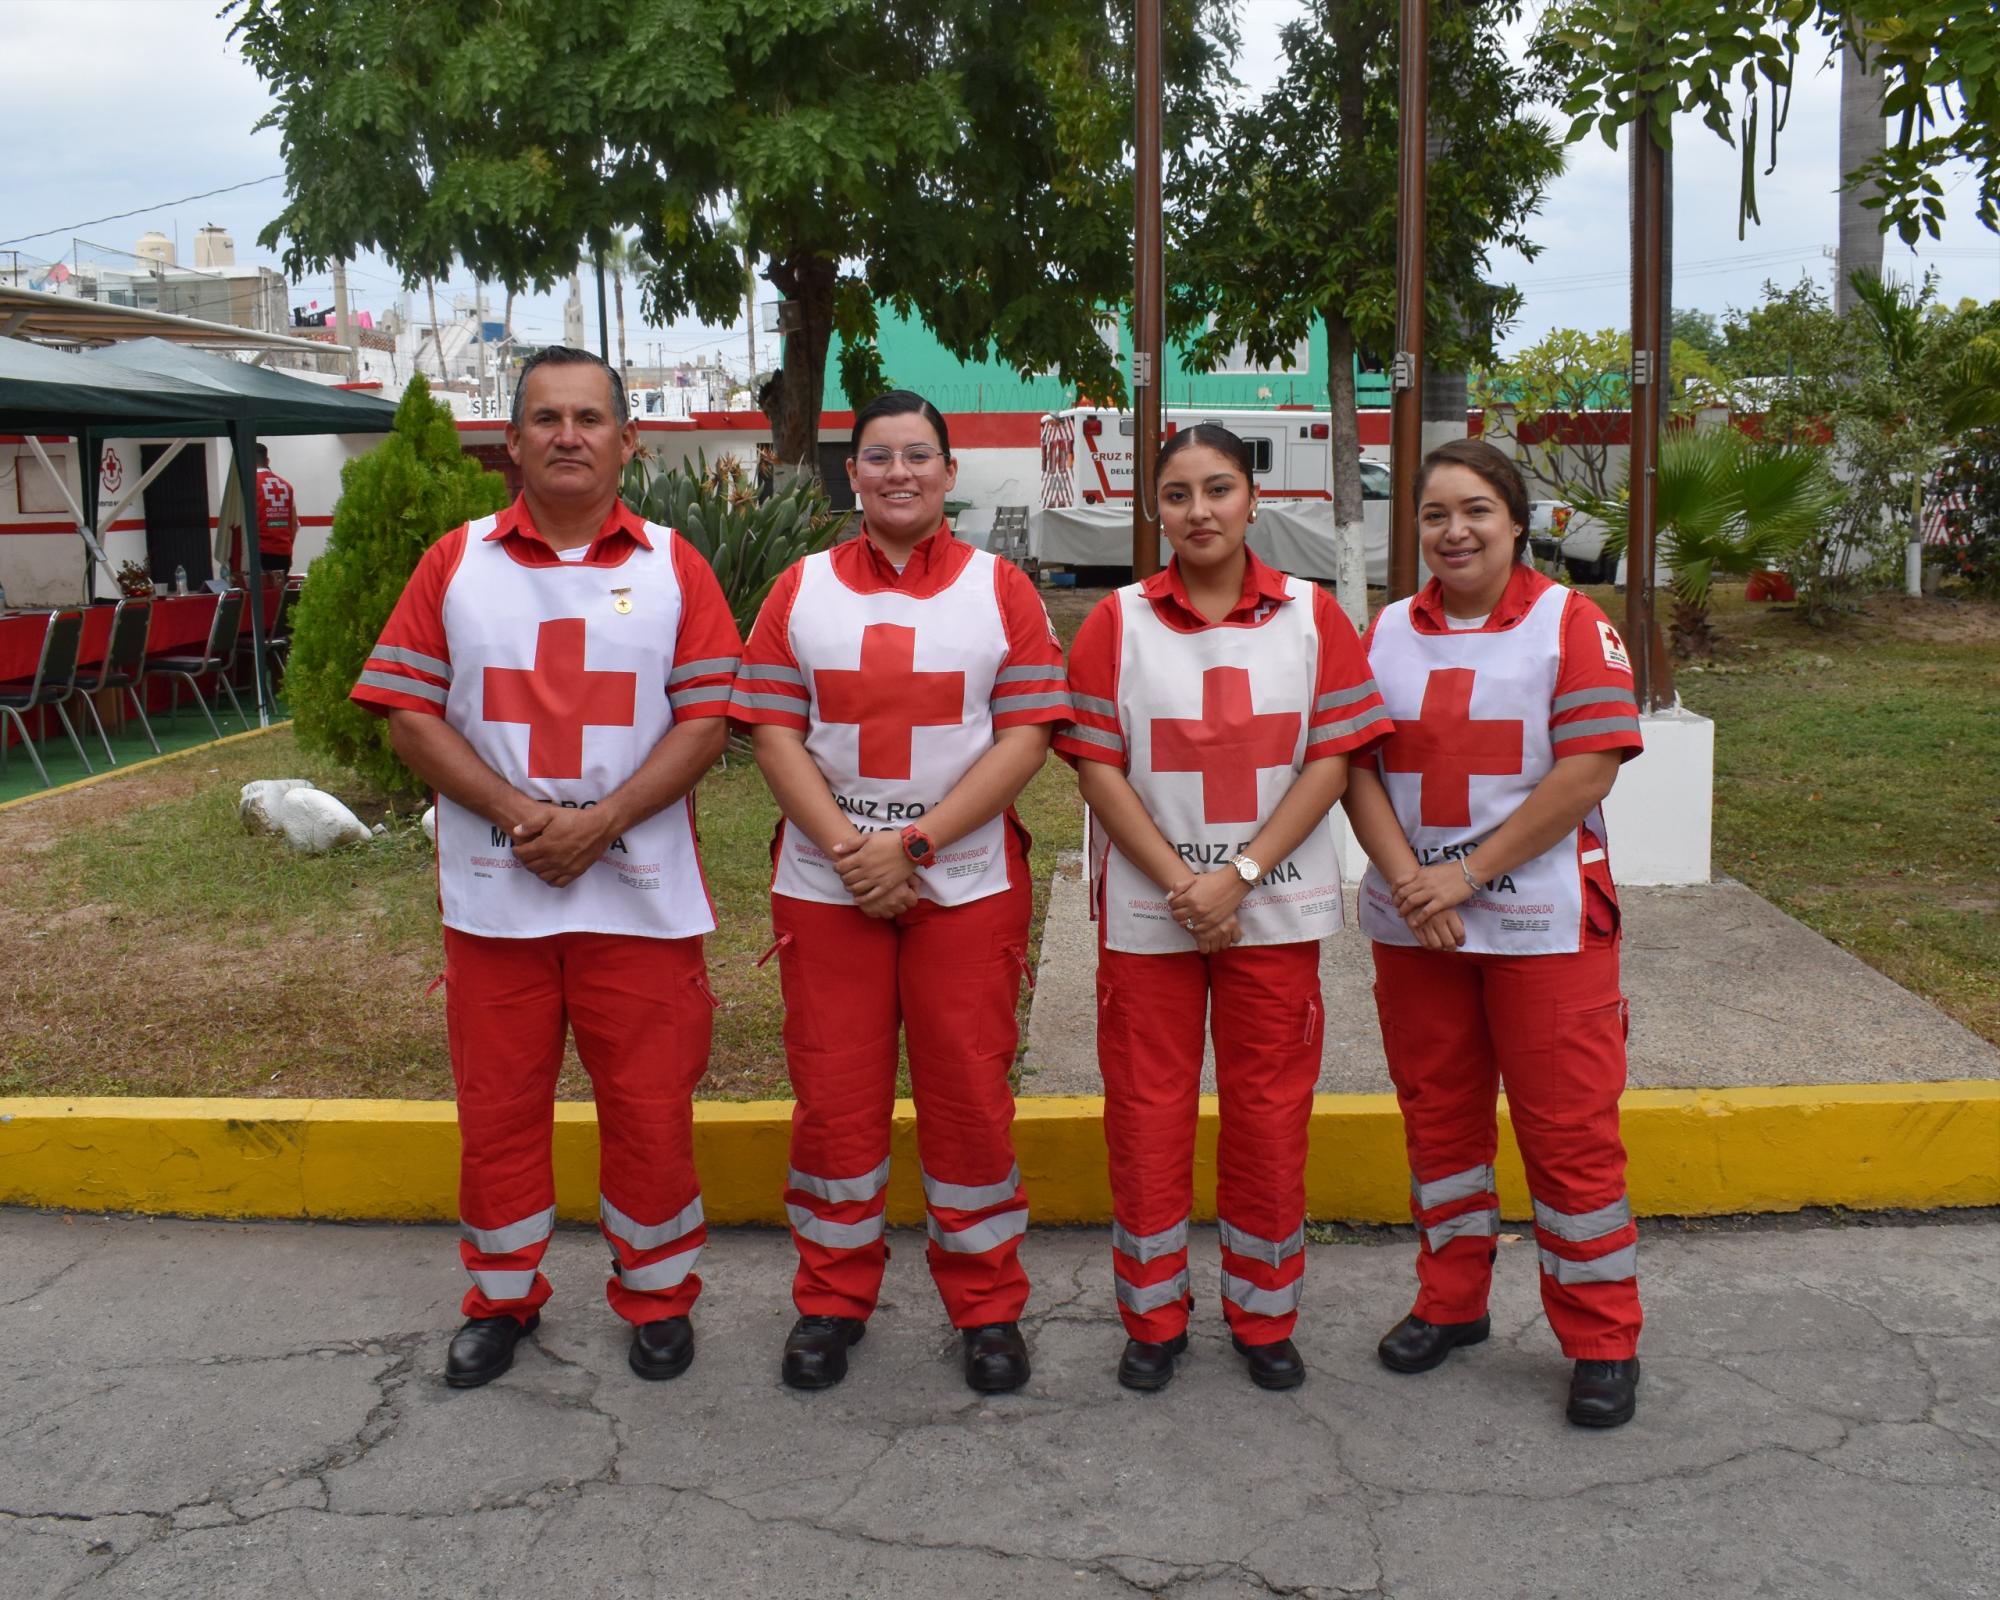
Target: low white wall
x=1660, y=814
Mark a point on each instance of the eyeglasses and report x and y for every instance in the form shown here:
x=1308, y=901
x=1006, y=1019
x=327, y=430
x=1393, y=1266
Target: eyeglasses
x=879, y=458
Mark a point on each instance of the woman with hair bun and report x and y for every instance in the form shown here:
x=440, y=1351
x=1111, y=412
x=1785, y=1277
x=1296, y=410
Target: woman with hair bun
x=1217, y=705
x=1495, y=926
x=900, y=689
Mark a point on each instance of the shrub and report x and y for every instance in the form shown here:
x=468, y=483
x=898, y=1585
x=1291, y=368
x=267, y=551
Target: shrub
x=748, y=541
x=395, y=502
x=1968, y=491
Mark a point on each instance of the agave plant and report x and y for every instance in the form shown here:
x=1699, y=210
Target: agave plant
x=1728, y=506
x=748, y=541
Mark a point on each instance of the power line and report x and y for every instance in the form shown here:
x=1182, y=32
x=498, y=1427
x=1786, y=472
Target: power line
x=120, y=216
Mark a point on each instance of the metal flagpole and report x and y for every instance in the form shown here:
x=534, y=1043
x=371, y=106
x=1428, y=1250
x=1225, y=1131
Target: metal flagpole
x=1149, y=313
x=1406, y=417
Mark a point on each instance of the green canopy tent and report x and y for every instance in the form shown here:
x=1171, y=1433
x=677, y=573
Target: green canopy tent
x=254, y=402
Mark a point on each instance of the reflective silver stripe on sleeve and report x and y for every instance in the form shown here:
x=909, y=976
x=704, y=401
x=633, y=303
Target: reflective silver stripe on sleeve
x=1340, y=730
x=1028, y=674
x=771, y=702
x=1029, y=702
x=1144, y=1247
x=750, y=671
x=1580, y=1227
x=515, y=1236
x=866, y=1187
x=641, y=1237
x=1091, y=702
x=1247, y=1296
x=1345, y=697
x=1466, y=1225
x=714, y=666
x=505, y=1285
x=412, y=658
x=1452, y=1186
x=401, y=685
x=971, y=1196
x=1271, y=1252
x=1614, y=1268
x=1096, y=736
x=1593, y=697
x=981, y=1236
x=660, y=1274
x=834, y=1235
x=1590, y=730
x=713, y=694
x=1141, y=1298
x=1589, y=856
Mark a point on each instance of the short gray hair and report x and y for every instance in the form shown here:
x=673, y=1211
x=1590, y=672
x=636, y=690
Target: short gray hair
x=563, y=355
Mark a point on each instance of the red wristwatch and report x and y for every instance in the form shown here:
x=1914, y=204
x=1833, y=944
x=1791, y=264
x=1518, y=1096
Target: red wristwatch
x=918, y=848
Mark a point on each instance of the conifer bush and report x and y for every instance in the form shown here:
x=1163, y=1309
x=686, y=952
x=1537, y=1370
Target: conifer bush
x=395, y=502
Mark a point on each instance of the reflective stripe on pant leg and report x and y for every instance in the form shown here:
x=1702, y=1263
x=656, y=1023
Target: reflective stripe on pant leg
x=1151, y=1246
x=833, y=1235
x=1616, y=1267
x=1149, y=1297
x=1272, y=1252
x=664, y=1272
x=942, y=1196
x=979, y=1237
x=865, y=1190
x=1583, y=1226
x=1247, y=1296
x=1452, y=1186
x=514, y=1236
x=865, y=1187
x=1481, y=1224
x=504, y=1285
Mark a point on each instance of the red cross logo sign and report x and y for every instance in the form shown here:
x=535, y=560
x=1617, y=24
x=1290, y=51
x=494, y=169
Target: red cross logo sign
x=1445, y=746
x=1229, y=744
x=557, y=699
x=888, y=699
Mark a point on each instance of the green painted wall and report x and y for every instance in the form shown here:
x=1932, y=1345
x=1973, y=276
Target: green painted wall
x=912, y=359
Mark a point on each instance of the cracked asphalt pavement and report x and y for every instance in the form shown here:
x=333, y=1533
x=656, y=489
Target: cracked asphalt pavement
x=217, y=1410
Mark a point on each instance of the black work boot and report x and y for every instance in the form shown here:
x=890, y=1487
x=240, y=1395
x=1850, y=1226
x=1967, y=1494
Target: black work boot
x=1415, y=1345
x=996, y=1357
x=1273, y=1366
x=1604, y=1394
x=816, y=1351
x=484, y=1348
x=1150, y=1366
x=662, y=1349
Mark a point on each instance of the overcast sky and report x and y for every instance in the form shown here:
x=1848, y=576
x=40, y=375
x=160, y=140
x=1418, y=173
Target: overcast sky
x=111, y=106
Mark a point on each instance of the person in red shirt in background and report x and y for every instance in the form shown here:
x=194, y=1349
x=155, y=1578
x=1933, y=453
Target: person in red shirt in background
x=1496, y=926
x=1217, y=706
x=900, y=690
x=560, y=675
x=277, y=516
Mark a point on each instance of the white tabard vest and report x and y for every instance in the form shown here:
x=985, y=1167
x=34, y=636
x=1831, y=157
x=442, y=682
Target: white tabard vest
x=565, y=695
x=902, y=693
x=1472, y=725
x=1215, y=728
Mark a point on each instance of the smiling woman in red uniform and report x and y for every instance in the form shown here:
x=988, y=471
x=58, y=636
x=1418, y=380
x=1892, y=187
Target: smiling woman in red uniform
x=1217, y=705
x=901, y=689
x=1495, y=923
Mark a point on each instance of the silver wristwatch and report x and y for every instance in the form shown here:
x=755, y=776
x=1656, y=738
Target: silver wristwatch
x=1246, y=869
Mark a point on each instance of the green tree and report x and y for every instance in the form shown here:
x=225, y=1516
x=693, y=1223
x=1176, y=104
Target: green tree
x=1733, y=64
x=1698, y=330
x=963, y=161
x=394, y=503
x=1292, y=218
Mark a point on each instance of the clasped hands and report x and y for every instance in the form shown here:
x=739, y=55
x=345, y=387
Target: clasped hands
x=1428, y=898
x=1206, y=907
x=877, y=873
x=559, y=844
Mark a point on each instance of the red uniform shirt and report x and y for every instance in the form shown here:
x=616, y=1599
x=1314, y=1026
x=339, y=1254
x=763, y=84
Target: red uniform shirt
x=403, y=672
x=1031, y=673
x=1348, y=716
x=277, y=514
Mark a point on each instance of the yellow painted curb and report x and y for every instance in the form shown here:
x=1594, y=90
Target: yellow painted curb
x=140, y=766
x=1693, y=1152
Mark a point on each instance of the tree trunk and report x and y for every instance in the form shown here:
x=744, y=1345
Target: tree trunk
x=792, y=399
x=750, y=311
x=618, y=292
x=1861, y=139
x=437, y=344
x=1349, y=538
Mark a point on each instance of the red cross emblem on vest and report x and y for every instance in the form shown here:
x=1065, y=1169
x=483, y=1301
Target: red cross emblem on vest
x=1228, y=745
x=557, y=698
x=1445, y=747
x=888, y=699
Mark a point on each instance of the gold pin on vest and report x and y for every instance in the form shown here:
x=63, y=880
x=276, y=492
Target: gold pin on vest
x=621, y=601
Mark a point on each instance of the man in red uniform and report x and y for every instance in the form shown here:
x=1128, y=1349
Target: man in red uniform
x=560, y=674
x=277, y=516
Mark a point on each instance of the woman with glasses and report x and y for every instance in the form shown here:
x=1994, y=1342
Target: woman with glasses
x=1217, y=707
x=901, y=689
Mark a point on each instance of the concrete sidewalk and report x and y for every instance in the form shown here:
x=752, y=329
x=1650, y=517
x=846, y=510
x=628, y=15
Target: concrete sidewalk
x=1726, y=990
x=221, y=1410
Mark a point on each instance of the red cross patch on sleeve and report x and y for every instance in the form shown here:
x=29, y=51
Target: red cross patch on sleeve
x=1614, y=647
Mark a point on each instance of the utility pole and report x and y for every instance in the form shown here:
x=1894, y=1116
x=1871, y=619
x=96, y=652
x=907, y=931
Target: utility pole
x=1406, y=417
x=345, y=330
x=750, y=308
x=1648, y=244
x=1148, y=295
x=603, y=315
x=479, y=337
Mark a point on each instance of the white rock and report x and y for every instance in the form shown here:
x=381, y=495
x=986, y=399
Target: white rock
x=258, y=805
x=313, y=821
x=431, y=823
